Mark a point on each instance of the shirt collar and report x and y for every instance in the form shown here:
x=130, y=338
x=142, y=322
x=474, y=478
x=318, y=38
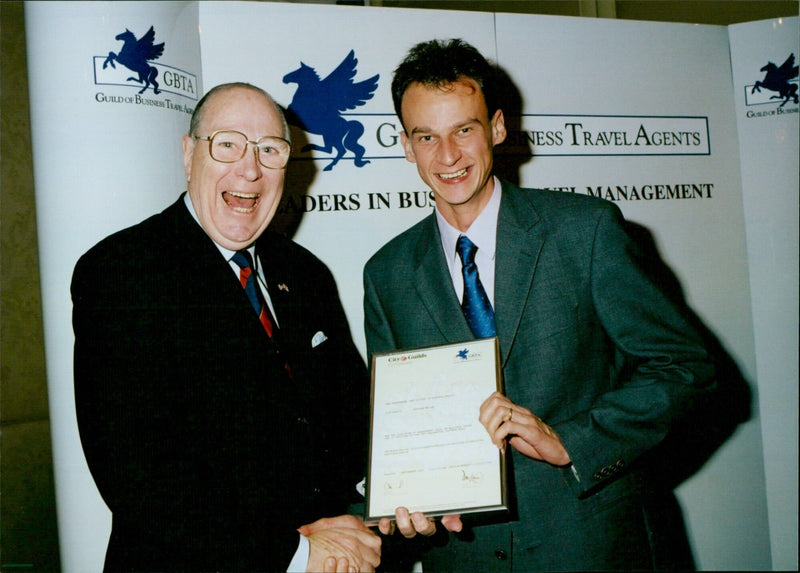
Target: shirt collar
x=482, y=232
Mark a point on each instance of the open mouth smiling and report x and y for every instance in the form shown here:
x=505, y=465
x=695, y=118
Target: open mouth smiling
x=456, y=175
x=241, y=202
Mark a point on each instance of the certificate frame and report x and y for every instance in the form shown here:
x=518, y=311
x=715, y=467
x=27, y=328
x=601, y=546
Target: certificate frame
x=427, y=450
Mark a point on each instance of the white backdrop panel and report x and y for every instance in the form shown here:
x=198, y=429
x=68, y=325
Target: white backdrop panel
x=769, y=130
x=103, y=160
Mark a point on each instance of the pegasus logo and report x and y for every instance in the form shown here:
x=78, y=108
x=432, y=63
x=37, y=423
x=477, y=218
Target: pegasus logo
x=777, y=80
x=463, y=353
x=317, y=106
x=135, y=54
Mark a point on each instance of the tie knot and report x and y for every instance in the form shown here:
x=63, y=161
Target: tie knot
x=243, y=259
x=466, y=250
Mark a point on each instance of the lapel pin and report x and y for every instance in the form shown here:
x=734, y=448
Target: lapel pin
x=282, y=286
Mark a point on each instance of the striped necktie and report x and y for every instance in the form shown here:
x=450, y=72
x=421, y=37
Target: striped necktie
x=250, y=284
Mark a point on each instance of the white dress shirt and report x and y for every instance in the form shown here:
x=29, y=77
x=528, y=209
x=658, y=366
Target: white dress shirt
x=483, y=233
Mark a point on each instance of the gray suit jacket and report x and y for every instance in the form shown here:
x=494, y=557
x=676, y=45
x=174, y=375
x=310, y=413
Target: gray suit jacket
x=588, y=343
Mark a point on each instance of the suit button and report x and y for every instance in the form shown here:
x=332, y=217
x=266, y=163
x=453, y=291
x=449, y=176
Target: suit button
x=500, y=554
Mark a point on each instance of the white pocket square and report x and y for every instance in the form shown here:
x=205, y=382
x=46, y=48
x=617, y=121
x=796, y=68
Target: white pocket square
x=318, y=339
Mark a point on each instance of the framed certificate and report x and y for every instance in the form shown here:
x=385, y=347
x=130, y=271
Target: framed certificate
x=428, y=450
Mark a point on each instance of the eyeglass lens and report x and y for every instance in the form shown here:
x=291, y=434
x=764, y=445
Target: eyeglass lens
x=230, y=146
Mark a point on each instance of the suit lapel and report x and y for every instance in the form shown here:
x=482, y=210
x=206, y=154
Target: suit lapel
x=208, y=273
x=520, y=238
x=206, y=280
x=434, y=286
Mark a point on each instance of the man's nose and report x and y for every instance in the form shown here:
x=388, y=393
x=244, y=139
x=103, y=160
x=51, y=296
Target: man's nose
x=249, y=166
x=449, y=151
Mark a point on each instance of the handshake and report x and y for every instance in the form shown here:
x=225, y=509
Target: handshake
x=345, y=544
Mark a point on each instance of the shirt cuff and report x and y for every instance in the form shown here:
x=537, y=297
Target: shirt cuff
x=299, y=562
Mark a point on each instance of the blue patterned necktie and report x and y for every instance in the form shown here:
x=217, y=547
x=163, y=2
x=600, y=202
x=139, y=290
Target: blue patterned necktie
x=477, y=308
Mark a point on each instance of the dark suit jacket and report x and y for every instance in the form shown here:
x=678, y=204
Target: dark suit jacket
x=208, y=455
x=588, y=343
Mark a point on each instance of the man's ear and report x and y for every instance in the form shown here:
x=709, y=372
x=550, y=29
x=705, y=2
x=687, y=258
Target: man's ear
x=407, y=147
x=188, y=143
x=498, y=128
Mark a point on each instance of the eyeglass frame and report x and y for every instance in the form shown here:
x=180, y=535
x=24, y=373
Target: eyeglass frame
x=209, y=138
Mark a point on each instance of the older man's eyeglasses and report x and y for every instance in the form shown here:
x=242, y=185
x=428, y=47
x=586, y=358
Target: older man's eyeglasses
x=227, y=146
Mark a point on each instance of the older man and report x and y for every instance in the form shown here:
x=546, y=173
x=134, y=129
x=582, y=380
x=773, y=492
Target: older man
x=220, y=398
